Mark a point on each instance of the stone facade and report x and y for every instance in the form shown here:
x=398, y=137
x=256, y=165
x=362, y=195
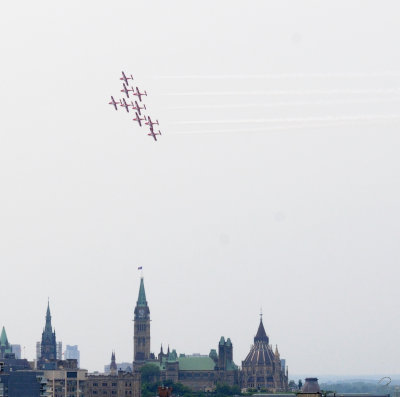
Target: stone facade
x=63, y=382
x=199, y=372
x=141, y=334
x=123, y=384
x=262, y=368
x=48, y=344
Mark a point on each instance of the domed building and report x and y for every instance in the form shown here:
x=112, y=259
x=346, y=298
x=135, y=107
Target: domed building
x=263, y=368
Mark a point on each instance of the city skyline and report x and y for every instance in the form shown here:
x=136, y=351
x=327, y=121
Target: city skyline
x=153, y=348
x=274, y=184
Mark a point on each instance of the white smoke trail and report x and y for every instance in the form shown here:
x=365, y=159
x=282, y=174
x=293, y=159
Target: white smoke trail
x=273, y=128
x=292, y=120
x=286, y=92
x=279, y=104
x=273, y=76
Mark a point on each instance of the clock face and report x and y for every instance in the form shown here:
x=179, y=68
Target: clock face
x=141, y=313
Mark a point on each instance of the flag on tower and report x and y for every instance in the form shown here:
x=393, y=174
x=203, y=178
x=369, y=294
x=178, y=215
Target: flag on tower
x=140, y=268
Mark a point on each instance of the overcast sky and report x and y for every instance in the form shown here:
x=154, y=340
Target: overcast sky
x=275, y=183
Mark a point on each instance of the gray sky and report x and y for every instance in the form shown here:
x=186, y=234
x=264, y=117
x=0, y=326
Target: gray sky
x=275, y=183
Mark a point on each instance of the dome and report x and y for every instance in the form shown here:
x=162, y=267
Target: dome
x=260, y=354
x=311, y=386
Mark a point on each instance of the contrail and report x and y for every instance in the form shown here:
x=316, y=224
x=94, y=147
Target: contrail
x=285, y=92
x=291, y=120
x=273, y=76
x=269, y=128
x=278, y=104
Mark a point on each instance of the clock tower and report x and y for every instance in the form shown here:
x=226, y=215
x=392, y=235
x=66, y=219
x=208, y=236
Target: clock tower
x=141, y=332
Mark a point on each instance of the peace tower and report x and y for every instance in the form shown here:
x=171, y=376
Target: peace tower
x=141, y=333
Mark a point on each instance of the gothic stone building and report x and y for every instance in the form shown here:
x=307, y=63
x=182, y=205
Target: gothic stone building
x=121, y=384
x=195, y=371
x=200, y=372
x=141, y=335
x=262, y=368
x=48, y=351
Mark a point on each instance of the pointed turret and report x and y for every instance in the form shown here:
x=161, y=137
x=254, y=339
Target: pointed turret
x=3, y=338
x=172, y=356
x=113, y=365
x=48, y=348
x=142, y=294
x=276, y=351
x=5, y=347
x=47, y=326
x=261, y=335
x=161, y=355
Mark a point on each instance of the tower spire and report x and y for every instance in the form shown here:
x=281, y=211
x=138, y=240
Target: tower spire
x=142, y=294
x=3, y=338
x=5, y=346
x=261, y=335
x=48, y=345
x=113, y=364
x=141, y=335
x=48, y=317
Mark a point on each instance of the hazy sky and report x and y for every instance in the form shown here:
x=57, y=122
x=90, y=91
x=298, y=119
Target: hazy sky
x=275, y=183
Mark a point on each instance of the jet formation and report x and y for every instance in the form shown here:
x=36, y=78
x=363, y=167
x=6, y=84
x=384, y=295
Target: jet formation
x=134, y=106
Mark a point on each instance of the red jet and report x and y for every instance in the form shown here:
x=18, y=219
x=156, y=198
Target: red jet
x=126, y=90
x=114, y=103
x=125, y=79
x=139, y=94
x=151, y=123
x=135, y=106
x=153, y=134
x=124, y=105
x=138, y=119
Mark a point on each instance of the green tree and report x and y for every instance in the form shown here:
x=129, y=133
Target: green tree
x=300, y=384
x=225, y=390
x=150, y=373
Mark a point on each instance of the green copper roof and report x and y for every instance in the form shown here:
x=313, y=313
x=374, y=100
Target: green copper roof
x=196, y=363
x=222, y=341
x=173, y=356
x=3, y=338
x=193, y=363
x=213, y=354
x=142, y=295
x=231, y=366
